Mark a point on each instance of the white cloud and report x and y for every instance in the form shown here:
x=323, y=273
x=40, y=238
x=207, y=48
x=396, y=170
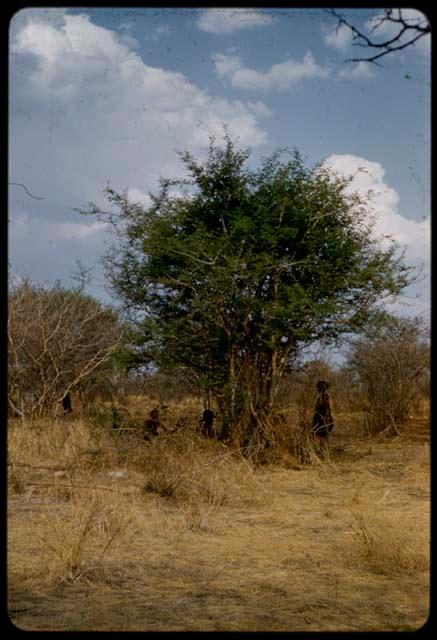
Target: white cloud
x=413, y=235
x=225, y=21
x=97, y=112
x=60, y=230
x=86, y=110
x=45, y=251
x=280, y=76
x=71, y=231
x=369, y=176
x=158, y=32
x=52, y=16
x=94, y=69
x=339, y=38
x=226, y=65
x=361, y=71
x=137, y=196
x=260, y=109
x=129, y=41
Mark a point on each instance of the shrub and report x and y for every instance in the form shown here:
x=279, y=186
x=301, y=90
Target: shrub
x=389, y=361
x=58, y=340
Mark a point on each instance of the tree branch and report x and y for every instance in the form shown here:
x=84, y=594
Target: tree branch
x=391, y=44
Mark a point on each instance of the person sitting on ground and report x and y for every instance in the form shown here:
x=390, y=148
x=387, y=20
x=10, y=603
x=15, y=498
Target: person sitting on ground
x=323, y=422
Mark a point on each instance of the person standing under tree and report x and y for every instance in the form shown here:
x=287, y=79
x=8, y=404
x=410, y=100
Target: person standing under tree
x=322, y=423
x=206, y=423
x=152, y=425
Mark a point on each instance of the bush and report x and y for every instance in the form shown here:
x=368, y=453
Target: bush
x=389, y=362
x=59, y=340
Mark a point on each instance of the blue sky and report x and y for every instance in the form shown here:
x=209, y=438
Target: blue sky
x=100, y=95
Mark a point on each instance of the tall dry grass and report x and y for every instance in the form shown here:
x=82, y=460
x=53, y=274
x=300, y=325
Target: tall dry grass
x=184, y=533
x=388, y=546
x=74, y=541
x=51, y=461
x=82, y=489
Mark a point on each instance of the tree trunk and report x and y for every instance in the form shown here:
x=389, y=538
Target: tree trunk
x=250, y=400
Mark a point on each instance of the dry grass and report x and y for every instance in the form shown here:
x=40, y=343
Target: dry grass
x=183, y=534
x=74, y=541
x=389, y=550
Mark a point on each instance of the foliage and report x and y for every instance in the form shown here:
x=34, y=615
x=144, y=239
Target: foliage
x=232, y=270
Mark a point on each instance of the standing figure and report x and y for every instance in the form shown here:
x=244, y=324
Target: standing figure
x=322, y=423
x=152, y=425
x=206, y=423
x=66, y=403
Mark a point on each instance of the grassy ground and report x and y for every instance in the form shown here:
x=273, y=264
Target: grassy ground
x=181, y=535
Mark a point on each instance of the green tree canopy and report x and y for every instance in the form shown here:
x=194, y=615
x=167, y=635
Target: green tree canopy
x=231, y=270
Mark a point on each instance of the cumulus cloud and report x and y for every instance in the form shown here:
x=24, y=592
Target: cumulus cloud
x=226, y=65
x=260, y=109
x=280, y=76
x=368, y=176
x=337, y=37
x=129, y=40
x=413, y=235
x=85, y=111
x=361, y=71
x=225, y=21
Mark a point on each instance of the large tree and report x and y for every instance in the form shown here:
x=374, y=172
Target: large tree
x=231, y=270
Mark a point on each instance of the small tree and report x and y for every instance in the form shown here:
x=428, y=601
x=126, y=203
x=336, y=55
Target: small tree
x=59, y=340
x=389, y=361
x=231, y=276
